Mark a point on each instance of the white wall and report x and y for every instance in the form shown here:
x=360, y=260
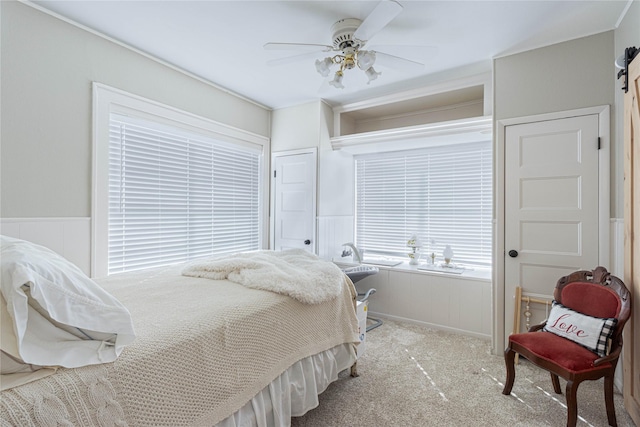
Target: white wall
x=48, y=66
x=565, y=76
x=310, y=125
x=295, y=127
x=336, y=191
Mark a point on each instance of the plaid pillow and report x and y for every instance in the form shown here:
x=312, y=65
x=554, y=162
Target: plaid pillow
x=590, y=332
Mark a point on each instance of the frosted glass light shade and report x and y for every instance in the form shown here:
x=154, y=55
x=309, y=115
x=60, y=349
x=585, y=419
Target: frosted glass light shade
x=447, y=254
x=337, y=80
x=372, y=74
x=323, y=67
x=366, y=59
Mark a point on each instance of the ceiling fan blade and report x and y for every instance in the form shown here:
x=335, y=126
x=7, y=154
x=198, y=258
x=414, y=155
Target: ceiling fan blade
x=391, y=61
x=296, y=58
x=384, y=13
x=307, y=47
x=418, y=53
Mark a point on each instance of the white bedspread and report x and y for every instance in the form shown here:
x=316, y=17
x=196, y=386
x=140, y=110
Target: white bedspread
x=293, y=272
x=201, y=353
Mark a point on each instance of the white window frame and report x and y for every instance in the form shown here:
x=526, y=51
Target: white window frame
x=426, y=247
x=107, y=100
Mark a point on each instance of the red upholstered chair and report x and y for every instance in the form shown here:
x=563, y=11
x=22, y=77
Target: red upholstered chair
x=592, y=293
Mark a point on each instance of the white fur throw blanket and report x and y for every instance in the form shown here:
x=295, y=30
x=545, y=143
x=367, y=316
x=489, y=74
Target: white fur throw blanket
x=293, y=272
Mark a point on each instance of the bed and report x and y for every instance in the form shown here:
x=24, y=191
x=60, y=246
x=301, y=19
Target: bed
x=206, y=353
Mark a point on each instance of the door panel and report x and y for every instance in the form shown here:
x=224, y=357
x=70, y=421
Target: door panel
x=534, y=193
x=295, y=198
x=533, y=274
x=551, y=204
x=550, y=238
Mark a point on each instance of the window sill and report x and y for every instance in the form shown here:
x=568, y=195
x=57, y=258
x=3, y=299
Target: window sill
x=469, y=273
x=474, y=273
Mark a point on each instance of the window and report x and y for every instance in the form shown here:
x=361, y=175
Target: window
x=443, y=194
x=171, y=187
x=175, y=196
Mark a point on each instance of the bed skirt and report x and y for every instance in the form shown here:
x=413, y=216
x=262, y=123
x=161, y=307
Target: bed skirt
x=295, y=391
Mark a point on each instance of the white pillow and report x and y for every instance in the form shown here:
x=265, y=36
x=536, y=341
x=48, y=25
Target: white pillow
x=58, y=316
x=590, y=332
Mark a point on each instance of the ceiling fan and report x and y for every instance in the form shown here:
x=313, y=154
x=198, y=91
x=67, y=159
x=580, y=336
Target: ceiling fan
x=350, y=35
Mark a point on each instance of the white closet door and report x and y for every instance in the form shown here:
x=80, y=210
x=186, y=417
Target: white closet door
x=551, y=204
x=295, y=201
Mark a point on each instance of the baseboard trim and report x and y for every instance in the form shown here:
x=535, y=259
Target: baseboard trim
x=431, y=325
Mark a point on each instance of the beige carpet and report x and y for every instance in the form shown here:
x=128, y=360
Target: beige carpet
x=415, y=376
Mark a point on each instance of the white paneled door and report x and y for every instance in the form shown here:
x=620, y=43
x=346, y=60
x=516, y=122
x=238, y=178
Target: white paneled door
x=551, y=204
x=295, y=201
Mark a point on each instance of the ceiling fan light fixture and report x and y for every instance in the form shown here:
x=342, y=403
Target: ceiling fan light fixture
x=337, y=80
x=366, y=59
x=324, y=67
x=372, y=74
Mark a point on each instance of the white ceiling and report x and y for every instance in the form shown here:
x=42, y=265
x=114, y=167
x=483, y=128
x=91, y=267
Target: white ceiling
x=222, y=41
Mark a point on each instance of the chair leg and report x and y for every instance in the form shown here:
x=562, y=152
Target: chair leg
x=608, y=400
x=509, y=359
x=556, y=383
x=572, y=403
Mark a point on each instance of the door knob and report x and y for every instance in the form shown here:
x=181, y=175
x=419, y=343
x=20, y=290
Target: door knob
x=307, y=242
x=513, y=253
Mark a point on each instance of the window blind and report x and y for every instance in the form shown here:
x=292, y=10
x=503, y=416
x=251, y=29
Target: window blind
x=443, y=194
x=175, y=195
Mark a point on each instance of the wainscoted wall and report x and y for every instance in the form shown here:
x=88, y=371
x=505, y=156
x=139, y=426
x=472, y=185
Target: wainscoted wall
x=333, y=231
x=616, y=263
x=449, y=302
x=70, y=237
